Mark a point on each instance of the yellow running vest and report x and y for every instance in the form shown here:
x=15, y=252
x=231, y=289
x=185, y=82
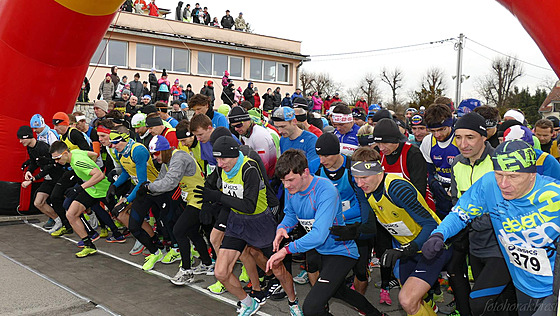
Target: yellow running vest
x=71, y=145
x=234, y=187
x=189, y=183
x=396, y=220
x=130, y=166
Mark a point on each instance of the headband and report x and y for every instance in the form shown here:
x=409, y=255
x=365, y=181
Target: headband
x=118, y=137
x=448, y=122
x=80, y=117
x=103, y=129
x=366, y=140
x=342, y=118
x=366, y=168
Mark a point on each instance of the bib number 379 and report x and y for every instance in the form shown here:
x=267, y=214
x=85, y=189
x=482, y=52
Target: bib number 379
x=532, y=260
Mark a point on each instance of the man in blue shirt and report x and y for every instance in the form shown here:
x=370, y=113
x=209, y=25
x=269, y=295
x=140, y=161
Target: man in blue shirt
x=346, y=130
x=314, y=203
x=200, y=104
x=293, y=137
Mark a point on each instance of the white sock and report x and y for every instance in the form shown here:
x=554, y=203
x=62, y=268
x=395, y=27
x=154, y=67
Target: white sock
x=247, y=300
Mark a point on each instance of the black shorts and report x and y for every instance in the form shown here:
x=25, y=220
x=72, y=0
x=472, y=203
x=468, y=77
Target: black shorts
x=87, y=200
x=420, y=267
x=221, y=220
x=237, y=244
x=46, y=187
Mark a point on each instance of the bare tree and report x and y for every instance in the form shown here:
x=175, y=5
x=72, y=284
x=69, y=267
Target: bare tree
x=352, y=95
x=306, y=79
x=496, y=87
x=369, y=87
x=547, y=83
x=316, y=82
x=432, y=86
x=394, y=79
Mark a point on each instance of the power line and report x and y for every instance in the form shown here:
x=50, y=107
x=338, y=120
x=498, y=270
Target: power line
x=379, y=54
x=512, y=57
x=384, y=49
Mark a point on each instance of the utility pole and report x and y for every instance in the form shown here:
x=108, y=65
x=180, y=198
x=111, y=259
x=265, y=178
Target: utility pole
x=459, y=78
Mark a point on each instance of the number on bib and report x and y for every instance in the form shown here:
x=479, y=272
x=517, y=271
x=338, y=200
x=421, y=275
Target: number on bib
x=532, y=260
x=397, y=228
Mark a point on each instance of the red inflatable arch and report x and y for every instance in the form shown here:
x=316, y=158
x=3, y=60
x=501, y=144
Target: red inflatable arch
x=52, y=45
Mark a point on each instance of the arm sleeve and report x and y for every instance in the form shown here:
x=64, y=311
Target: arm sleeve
x=470, y=205
x=417, y=169
x=123, y=177
x=289, y=222
x=78, y=138
x=366, y=212
x=251, y=187
x=140, y=156
x=425, y=148
x=403, y=195
x=326, y=204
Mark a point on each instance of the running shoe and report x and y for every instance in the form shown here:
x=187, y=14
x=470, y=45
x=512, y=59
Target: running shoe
x=394, y=283
x=455, y=313
x=94, y=237
x=295, y=310
x=203, y=269
x=120, y=239
x=249, y=287
x=57, y=225
x=92, y=220
x=81, y=242
x=217, y=288
x=62, y=231
x=243, y=277
x=118, y=223
x=259, y=296
x=385, y=297
x=182, y=277
x=151, y=260
x=171, y=256
x=49, y=224
x=137, y=249
x=103, y=233
x=375, y=262
x=194, y=253
x=249, y=310
x=448, y=309
x=87, y=251
x=301, y=278
x=126, y=232
x=276, y=292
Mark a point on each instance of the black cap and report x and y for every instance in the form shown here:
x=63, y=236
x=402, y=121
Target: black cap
x=149, y=109
x=472, y=121
x=555, y=121
x=183, y=133
x=327, y=145
x=238, y=114
x=300, y=103
x=225, y=147
x=387, y=131
x=219, y=132
x=154, y=121
x=381, y=114
x=25, y=132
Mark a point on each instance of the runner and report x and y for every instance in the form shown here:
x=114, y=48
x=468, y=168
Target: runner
x=520, y=203
x=346, y=130
x=43, y=131
x=314, y=202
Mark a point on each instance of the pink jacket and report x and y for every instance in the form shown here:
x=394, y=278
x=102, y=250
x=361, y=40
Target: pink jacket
x=317, y=102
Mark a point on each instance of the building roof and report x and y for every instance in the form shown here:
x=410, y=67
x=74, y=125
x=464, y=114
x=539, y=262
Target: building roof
x=554, y=95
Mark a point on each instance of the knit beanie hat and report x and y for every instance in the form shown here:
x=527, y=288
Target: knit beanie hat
x=327, y=145
x=225, y=147
x=474, y=122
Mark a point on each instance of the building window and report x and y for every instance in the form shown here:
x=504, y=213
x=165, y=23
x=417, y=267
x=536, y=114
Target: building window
x=556, y=106
x=268, y=70
x=113, y=54
x=161, y=57
x=215, y=65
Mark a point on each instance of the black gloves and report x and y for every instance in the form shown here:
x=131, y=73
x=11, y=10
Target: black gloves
x=207, y=194
x=348, y=232
x=143, y=190
x=205, y=215
x=390, y=256
x=118, y=209
x=73, y=192
x=112, y=191
x=112, y=176
x=432, y=246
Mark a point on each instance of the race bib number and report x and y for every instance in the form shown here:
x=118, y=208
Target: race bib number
x=235, y=190
x=307, y=224
x=184, y=195
x=345, y=206
x=397, y=228
x=532, y=260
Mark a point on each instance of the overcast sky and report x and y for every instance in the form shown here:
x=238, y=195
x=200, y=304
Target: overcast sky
x=330, y=27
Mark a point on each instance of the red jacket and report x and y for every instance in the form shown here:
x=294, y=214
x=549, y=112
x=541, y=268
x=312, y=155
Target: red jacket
x=257, y=100
x=154, y=10
x=362, y=104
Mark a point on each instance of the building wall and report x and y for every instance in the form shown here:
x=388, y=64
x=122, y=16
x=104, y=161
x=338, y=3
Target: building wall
x=262, y=47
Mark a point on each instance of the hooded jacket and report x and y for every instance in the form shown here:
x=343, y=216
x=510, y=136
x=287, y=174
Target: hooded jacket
x=248, y=93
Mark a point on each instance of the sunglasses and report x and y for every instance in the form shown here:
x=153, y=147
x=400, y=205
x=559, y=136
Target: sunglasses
x=240, y=125
x=115, y=141
x=57, y=158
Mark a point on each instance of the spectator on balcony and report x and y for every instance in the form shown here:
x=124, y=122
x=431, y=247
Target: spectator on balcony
x=249, y=93
x=136, y=86
x=106, y=89
x=215, y=22
x=225, y=79
x=207, y=18
x=178, y=11
x=208, y=90
x=153, y=84
x=176, y=90
x=268, y=97
x=227, y=21
x=277, y=98
x=257, y=98
x=140, y=6
x=153, y=9
x=84, y=91
x=127, y=6
x=187, y=14
x=195, y=13
x=188, y=93
x=240, y=24
x=238, y=97
x=114, y=77
x=163, y=88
